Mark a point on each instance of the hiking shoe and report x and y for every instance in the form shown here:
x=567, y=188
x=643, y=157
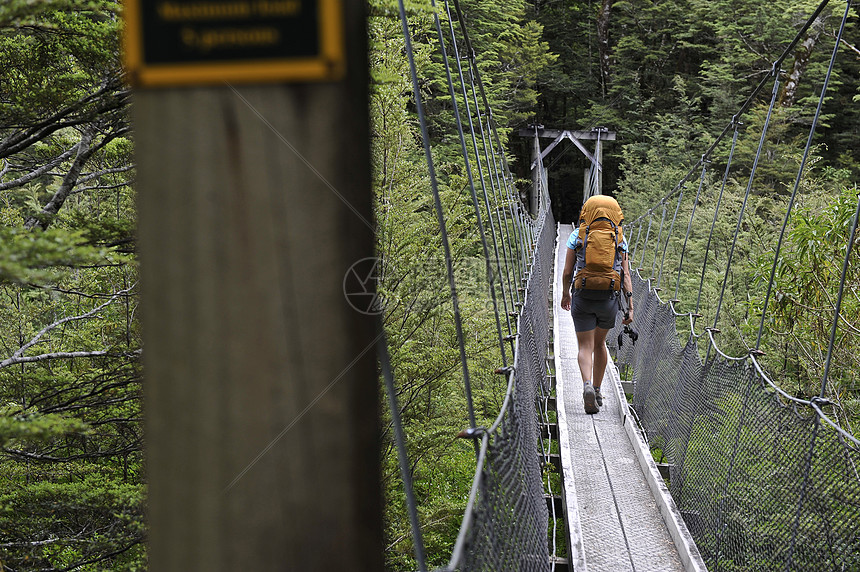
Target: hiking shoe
x=598, y=397
x=590, y=397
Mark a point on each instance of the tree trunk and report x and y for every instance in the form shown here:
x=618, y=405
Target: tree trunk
x=801, y=60
x=69, y=181
x=603, y=43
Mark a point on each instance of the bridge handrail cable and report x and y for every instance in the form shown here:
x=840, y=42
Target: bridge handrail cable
x=508, y=444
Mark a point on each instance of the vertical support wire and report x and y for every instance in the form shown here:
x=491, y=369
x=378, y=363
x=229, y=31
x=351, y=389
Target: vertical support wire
x=761, y=141
x=510, y=185
x=505, y=207
x=440, y=216
x=517, y=221
x=493, y=134
x=736, y=124
x=598, y=187
x=592, y=183
x=512, y=227
x=833, y=329
x=519, y=224
x=504, y=226
x=487, y=206
x=730, y=472
x=690, y=224
x=669, y=236
x=400, y=441
x=659, y=239
x=797, y=180
x=647, y=234
x=638, y=224
x=473, y=192
x=504, y=231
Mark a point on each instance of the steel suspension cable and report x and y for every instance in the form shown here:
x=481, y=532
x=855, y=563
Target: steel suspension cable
x=717, y=210
x=802, y=496
x=526, y=223
x=440, y=215
x=704, y=163
x=636, y=244
x=491, y=124
x=659, y=239
x=761, y=142
x=820, y=415
x=511, y=226
x=480, y=167
x=516, y=215
x=510, y=207
x=504, y=227
x=799, y=177
x=473, y=192
x=669, y=236
x=400, y=442
x=501, y=213
x=647, y=234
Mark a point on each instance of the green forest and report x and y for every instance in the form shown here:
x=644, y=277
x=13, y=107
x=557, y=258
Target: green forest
x=666, y=75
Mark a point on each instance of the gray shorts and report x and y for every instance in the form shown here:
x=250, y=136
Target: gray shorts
x=589, y=314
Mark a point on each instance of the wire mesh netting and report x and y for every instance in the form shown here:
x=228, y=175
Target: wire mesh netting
x=509, y=531
x=763, y=483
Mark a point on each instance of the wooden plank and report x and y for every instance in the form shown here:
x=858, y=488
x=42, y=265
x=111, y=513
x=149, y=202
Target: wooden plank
x=549, y=430
x=261, y=390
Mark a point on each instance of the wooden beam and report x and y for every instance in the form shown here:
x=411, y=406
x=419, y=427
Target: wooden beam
x=261, y=391
x=554, y=133
x=568, y=135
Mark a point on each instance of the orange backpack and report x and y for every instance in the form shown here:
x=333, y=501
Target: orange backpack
x=598, y=256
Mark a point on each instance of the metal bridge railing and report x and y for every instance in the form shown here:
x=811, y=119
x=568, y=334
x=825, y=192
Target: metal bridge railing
x=765, y=480
x=505, y=523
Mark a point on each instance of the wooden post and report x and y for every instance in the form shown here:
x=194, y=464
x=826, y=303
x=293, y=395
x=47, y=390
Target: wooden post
x=598, y=154
x=586, y=182
x=261, y=389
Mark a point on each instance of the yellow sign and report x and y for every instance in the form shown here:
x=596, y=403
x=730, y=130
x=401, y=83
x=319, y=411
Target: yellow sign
x=188, y=42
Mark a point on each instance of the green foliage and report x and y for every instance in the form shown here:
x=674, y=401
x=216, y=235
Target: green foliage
x=808, y=274
x=99, y=516
x=17, y=427
x=683, y=68
x=72, y=496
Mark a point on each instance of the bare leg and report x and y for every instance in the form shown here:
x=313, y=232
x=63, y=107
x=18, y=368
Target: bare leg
x=600, y=356
x=586, y=363
x=584, y=357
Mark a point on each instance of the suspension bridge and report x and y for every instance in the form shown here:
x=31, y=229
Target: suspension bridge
x=698, y=459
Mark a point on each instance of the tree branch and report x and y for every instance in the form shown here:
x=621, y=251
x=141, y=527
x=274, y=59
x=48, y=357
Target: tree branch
x=85, y=151
x=91, y=176
x=102, y=187
x=54, y=355
x=38, y=172
x=853, y=48
x=17, y=357
x=66, y=118
x=131, y=448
